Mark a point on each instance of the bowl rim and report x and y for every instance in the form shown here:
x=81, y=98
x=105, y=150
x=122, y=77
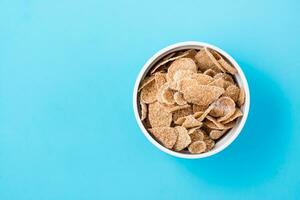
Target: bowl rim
x=189, y=44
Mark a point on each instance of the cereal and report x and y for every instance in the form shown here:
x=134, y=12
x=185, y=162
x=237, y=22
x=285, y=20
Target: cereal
x=197, y=108
x=158, y=117
x=197, y=147
x=160, y=91
x=211, y=125
x=225, y=76
x=202, y=79
x=178, y=97
x=204, y=62
x=143, y=111
x=230, y=125
x=241, y=99
x=227, y=66
x=196, y=134
x=213, y=59
x=175, y=108
x=178, y=76
x=173, y=85
x=209, y=144
x=182, y=113
x=190, y=100
x=192, y=130
x=183, y=139
x=233, y=92
x=216, y=134
x=148, y=93
x=168, y=96
x=168, y=60
x=179, y=121
x=167, y=136
x=181, y=64
x=171, y=55
x=160, y=79
x=224, y=64
x=202, y=95
x=181, y=74
x=222, y=107
x=191, y=122
x=213, y=120
x=227, y=84
x=236, y=114
x=191, y=53
x=210, y=72
x=198, y=114
x=146, y=81
x=205, y=113
x=227, y=116
x=165, y=95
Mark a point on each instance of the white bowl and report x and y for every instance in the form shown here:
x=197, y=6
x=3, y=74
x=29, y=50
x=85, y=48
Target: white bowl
x=241, y=81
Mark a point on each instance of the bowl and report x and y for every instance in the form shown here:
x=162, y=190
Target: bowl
x=241, y=80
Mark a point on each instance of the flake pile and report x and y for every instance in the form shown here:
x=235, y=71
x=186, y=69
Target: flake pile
x=190, y=100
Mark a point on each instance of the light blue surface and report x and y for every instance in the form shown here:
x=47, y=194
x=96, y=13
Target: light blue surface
x=67, y=71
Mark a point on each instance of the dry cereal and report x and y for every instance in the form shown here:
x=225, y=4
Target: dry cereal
x=190, y=100
x=167, y=136
x=183, y=139
x=157, y=115
x=197, y=147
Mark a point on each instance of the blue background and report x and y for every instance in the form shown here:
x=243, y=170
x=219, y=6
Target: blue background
x=67, y=71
